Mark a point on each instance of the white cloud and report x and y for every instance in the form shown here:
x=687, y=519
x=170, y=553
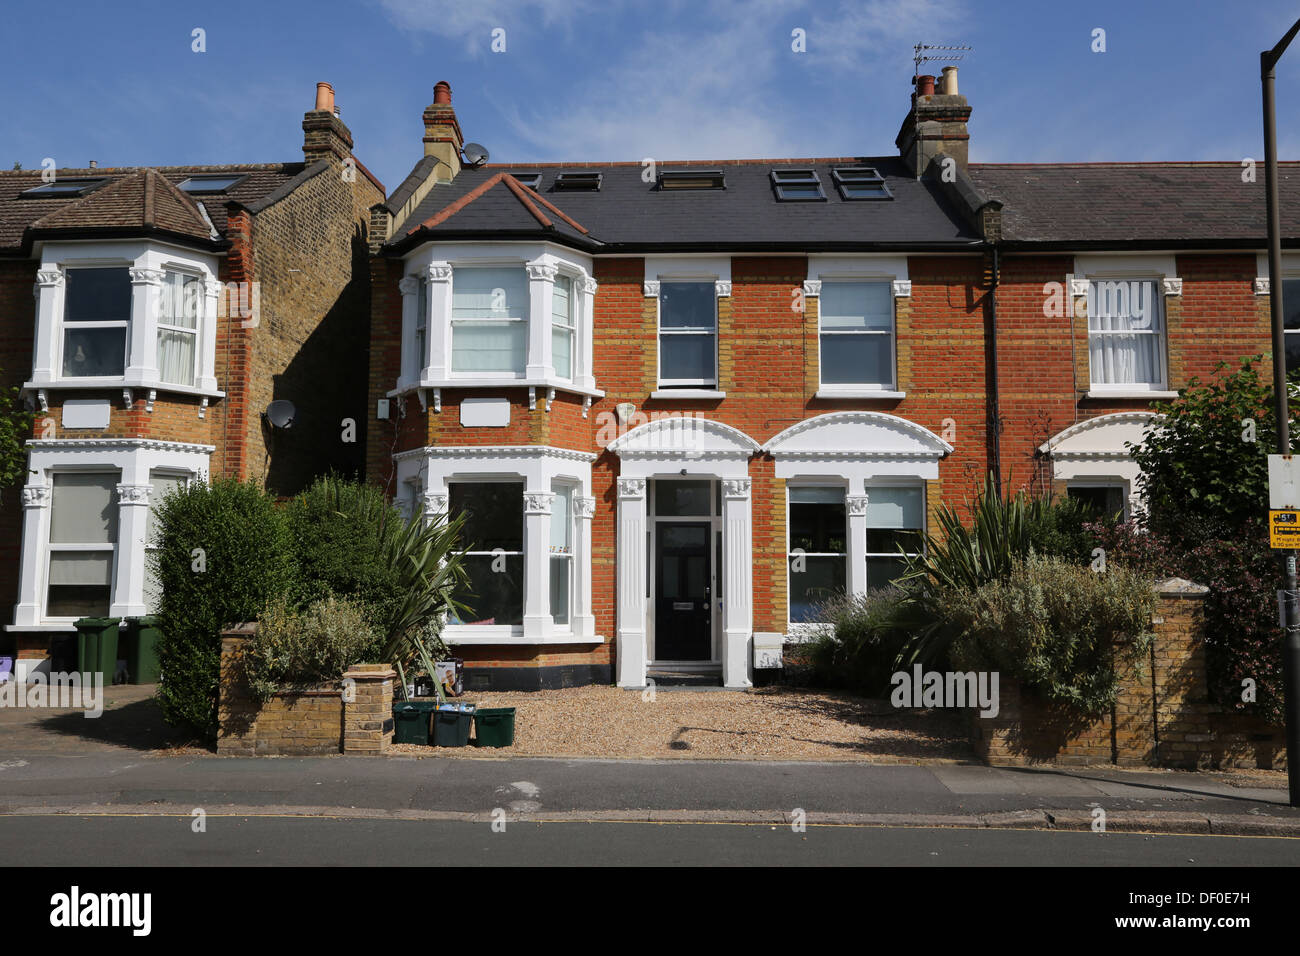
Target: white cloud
x=473, y=22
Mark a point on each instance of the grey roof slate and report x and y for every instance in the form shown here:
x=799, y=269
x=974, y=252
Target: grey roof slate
x=1079, y=204
x=629, y=214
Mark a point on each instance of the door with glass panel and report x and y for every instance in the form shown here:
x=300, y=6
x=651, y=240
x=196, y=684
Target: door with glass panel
x=684, y=582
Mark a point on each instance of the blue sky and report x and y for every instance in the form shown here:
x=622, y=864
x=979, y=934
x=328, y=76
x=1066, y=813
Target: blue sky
x=615, y=80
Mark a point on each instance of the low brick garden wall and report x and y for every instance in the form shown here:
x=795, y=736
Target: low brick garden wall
x=1163, y=716
x=353, y=715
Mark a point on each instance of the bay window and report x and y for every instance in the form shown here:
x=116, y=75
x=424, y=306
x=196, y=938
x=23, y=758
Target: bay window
x=489, y=320
x=494, y=533
x=1125, y=334
x=562, y=327
x=96, y=313
x=895, y=520
x=83, y=534
x=857, y=334
x=688, y=334
x=561, y=554
x=161, y=485
x=179, y=308
x=421, y=324
x=818, y=552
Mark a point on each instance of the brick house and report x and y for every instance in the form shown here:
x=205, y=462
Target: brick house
x=173, y=304
x=682, y=403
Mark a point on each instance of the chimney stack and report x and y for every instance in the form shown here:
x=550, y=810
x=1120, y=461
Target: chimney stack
x=442, y=136
x=324, y=135
x=936, y=124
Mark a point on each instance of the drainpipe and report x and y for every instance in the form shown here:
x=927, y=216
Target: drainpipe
x=995, y=412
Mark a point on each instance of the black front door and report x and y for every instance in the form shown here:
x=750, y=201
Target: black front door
x=683, y=598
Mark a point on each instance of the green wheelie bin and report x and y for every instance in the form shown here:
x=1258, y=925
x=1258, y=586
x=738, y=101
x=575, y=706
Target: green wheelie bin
x=97, y=647
x=139, y=648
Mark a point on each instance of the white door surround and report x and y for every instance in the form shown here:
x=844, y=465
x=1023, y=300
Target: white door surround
x=1095, y=451
x=684, y=448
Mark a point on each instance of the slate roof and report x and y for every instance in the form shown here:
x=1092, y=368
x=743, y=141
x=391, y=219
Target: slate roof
x=119, y=206
x=1153, y=204
x=629, y=214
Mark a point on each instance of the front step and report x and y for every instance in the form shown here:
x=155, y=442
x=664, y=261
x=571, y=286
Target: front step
x=670, y=678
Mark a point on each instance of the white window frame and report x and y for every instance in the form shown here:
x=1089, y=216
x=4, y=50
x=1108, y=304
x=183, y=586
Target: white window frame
x=572, y=491
x=134, y=459
x=52, y=548
x=1162, y=333
x=701, y=383
x=543, y=263
x=524, y=319
x=923, y=530
x=196, y=332
x=1161, y=267
x=859, y=268
x=569, y=328
x=124, y=324
x=539, y=468
x=150, y=547
x=496, y=629
x=147, y=261
x=1100, y=481
x=842, y=487
x=822, y=331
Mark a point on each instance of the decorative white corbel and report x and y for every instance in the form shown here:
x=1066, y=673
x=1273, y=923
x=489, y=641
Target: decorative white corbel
x=722, y=287
x=812, y=287
x=437, y=400
x=902, y=288
x=127, y=398
x=148, y=402
x=550, y=397
x=424, y=399
x=1079, y=287
x=203, y=407
x=43, y=399
x=1173, y=285
x=532, y=398
x=586, y=404
x=650, y=288
x=1261, y=285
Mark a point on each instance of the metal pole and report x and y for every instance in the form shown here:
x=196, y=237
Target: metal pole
x=1291, y=632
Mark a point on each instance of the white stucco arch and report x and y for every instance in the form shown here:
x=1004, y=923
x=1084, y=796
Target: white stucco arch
x=1095, y=451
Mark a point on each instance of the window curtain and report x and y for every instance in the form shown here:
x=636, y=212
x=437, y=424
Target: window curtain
x=1124, y=333
x=490, y=309
x=178, y=323
x=562, y=327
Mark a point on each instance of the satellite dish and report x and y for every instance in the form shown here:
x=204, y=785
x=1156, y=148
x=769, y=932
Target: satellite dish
x=475, y=154
x=280, y=413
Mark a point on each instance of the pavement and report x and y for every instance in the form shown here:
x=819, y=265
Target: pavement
x=60, y=763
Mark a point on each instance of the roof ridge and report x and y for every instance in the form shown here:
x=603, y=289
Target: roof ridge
x=448, y=211
x=515, y=187
x=521, y=191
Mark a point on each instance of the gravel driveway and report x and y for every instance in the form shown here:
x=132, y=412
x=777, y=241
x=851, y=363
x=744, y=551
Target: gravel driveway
x=775, y=723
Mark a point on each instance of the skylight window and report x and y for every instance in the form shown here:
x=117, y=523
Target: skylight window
x=578, y=181
x=532, y=180
x=860, y=182
x=208, y=184
x=797, y=185
x=692, y=179
x=62, y=188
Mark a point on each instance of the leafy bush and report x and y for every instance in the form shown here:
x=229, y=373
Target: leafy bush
x=295, y=648
x=15, y=429
x=223, y=553
x=1056, y=627
x=857, y=646
x=1003, y=532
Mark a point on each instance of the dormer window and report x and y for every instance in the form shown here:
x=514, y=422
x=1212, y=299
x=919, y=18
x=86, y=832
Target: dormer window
x=797, y=185
x=532, y=180
x=860, y=182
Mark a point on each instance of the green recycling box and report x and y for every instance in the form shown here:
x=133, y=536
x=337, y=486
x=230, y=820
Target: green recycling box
x=139, y=640
x=97, y=646
x=451, y=724
x=411, y=720
x=494, y=727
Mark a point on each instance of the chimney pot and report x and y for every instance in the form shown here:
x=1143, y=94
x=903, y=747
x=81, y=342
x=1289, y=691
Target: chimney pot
x=442, y=93
x=94, y=165
x=950, y=80
x=925, y=85
x=325, y=97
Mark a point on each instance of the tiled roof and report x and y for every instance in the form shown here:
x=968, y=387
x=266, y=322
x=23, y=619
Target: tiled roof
x=143, y=201
x=1149, y=203
x=627, y=213
x=18, y=214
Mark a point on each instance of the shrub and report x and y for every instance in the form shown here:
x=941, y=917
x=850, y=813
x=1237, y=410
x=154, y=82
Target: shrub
x=295, y=648
x=857, y=646
x=223, y=553
x=1055, y=626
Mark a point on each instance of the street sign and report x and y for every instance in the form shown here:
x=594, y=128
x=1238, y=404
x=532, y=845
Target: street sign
x=1283, y=482
x=1284, y=530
